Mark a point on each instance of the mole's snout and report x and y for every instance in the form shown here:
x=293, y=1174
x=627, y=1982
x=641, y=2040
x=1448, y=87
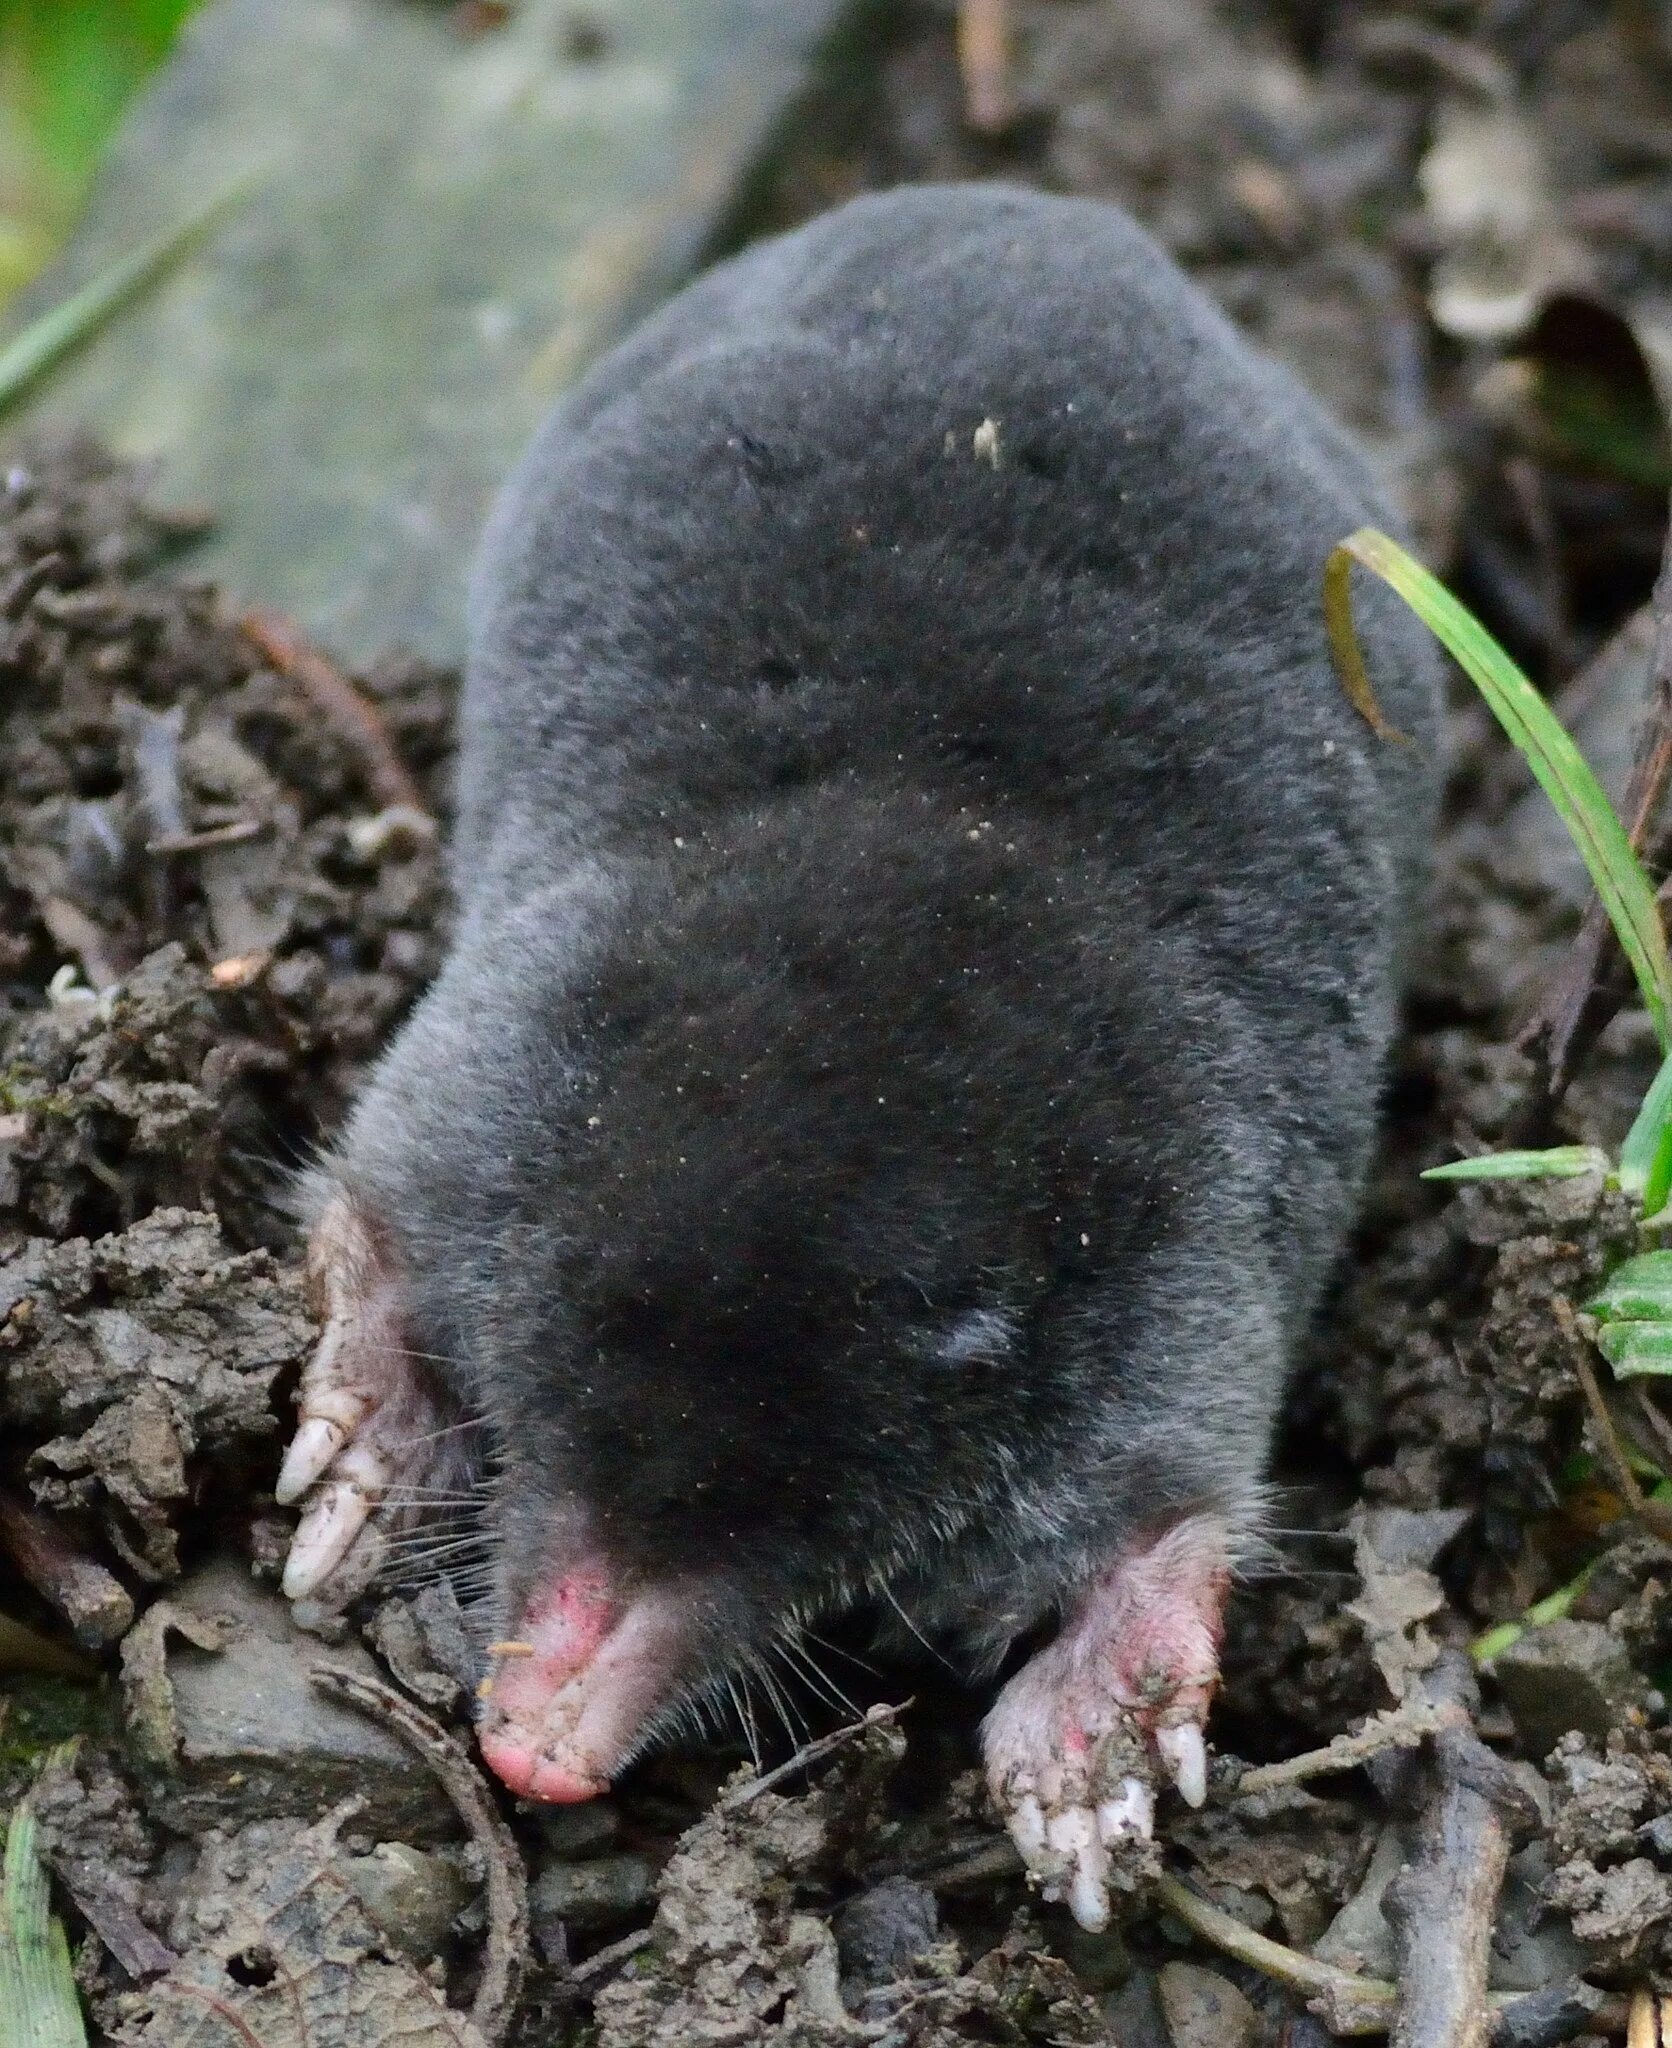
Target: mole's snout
x=567, y=1705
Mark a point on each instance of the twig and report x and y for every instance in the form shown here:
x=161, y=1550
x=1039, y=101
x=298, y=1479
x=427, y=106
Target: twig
x=608, y=1960
x=95, y=1896
x=336, y=698
x=1658, y=1425
x=72, y=931
x=495, y=2004
x=984, y=64
x=91, y=1600
x=1347, y=2002
x=1590, y=984
x=809, y=1753
x=1444, y=1902
x=233, y=833
x=1654, y=1517
x=1399, y=1727
x=93, y=1885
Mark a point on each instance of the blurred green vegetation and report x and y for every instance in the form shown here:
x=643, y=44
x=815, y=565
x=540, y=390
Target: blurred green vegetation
x=67, y=70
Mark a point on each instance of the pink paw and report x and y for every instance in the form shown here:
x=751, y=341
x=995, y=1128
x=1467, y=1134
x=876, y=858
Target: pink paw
x=366, y=1423
x=1074, y=1739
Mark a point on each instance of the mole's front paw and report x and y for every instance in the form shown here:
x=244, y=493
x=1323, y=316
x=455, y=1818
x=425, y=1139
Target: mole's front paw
x=1073, y=1742
x=367, y=1423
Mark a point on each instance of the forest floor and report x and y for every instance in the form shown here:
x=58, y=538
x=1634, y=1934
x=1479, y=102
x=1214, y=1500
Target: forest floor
x=221, y=887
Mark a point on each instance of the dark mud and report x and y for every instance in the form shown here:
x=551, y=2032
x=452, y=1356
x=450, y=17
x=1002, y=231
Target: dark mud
x=220, y=888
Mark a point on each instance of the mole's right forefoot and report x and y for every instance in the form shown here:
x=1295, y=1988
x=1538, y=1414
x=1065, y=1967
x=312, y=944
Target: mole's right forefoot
x=1074, y=1741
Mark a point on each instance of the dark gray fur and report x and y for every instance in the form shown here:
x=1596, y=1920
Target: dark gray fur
x=928, y=927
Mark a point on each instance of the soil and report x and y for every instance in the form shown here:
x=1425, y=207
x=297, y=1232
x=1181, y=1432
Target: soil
x=220, y=889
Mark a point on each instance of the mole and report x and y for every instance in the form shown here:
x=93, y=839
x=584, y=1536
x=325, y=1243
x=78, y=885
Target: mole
x=928, y=936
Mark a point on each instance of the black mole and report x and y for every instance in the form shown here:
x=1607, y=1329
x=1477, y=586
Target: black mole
x=927, y=947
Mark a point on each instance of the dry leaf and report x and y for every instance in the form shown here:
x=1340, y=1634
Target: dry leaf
x=285, y=1956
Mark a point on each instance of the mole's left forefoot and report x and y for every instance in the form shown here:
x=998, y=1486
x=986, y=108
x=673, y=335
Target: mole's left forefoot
x=1075, y=1737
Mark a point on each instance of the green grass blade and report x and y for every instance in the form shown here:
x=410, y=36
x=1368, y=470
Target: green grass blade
x=1638, y=1290
x=38, y=2003
x=1561, y=769
x=1560, y=1162
x=1648, y=1139
x=46, y=341
x=1553, y=1607
x=1637, y=1350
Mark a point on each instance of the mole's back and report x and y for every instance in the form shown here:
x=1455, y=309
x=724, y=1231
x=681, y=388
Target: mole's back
x=967, y=484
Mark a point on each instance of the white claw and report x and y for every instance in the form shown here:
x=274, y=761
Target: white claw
x=1130, y=1812
x=323, y=1538
x=1027, y=1827
x=315, y=1444
x=1185, y=1755
x=1070, y=1832
x=1088, y=1895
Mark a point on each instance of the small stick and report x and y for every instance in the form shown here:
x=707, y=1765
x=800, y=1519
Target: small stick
x=72, y=931
x=1398, y=1728
x=1444, y=1902
x=1350, y=2004
x=1659, y=1427
x=608, y=1960
x=984, y=63
x=345, y=707
x=91, y=1600
x=809, y=1753
x=496, y=1996
x=112, y=1918
x=1654, y=1517
x=233, y=833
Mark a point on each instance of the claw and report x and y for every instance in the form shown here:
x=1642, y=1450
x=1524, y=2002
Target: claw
x=324, y=1537
x=1130, y=1812
x=1185, y=1756
x=1027, y=1827
x=1070, y=1833
x=316, y=1442
x=1088, y=1895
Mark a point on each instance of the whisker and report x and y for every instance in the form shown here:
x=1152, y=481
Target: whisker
x=839, y=1650
x=789, y=1718
x=737, y=1688
x=940, y=1656
x=795, y=1654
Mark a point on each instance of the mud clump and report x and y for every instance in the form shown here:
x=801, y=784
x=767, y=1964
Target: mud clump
x=209, y=923
x=160, y=1349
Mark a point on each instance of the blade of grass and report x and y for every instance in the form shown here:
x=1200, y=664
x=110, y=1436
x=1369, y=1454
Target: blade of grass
x=1646, y=1141
x=1561, y=769
x=1553, y=1607
x=1560, y=1162
x=46, y=341
x=38, y=2003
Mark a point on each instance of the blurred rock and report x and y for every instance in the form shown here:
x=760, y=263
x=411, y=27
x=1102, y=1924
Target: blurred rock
x=1202, y=2009
x=590, y=1896
x=1134, y=2013
x=441, y=228
x=412, y=1894
x=569, y=1833
x=1568, y=1674
x=883, y=1931
x=224, y=1726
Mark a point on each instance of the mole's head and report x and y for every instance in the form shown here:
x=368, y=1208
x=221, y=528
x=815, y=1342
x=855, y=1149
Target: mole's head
x=754, y=1240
